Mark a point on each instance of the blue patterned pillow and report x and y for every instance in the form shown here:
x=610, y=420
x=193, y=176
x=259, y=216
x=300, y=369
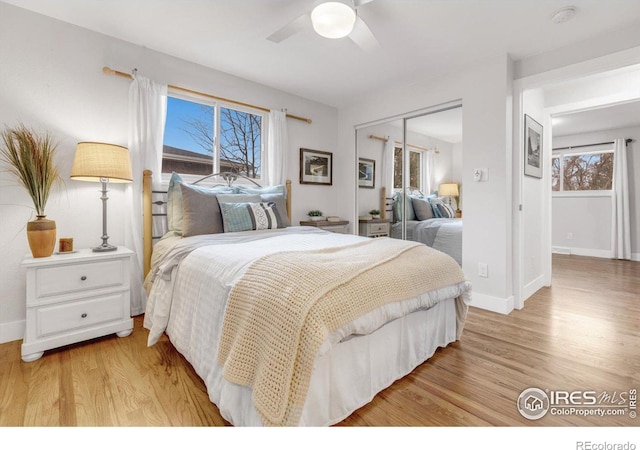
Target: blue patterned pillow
x=250, y=216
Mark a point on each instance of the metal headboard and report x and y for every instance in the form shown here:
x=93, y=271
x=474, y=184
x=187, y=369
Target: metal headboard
x=155, y=205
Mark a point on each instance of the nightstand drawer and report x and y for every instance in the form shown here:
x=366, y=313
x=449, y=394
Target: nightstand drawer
x=79, y=277
x=378, y=228
x=66, y=317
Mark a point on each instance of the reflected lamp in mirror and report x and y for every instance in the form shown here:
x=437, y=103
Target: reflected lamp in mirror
x=449, y=190
x=103, y=163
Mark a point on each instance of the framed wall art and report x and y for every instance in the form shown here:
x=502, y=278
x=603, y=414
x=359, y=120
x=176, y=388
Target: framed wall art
x=316, y=167
x=533, y=150
x=366, y=173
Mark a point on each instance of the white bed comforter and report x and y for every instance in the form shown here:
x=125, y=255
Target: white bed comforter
x=191, y=283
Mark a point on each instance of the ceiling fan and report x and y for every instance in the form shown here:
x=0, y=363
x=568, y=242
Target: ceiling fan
x=332, y=19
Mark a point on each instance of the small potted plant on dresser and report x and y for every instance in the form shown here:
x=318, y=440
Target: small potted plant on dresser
x=315, y=215
x=375, y=213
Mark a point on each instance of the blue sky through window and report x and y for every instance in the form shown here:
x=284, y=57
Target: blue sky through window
x=179, y=110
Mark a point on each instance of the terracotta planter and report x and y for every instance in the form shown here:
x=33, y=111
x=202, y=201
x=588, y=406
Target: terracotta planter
x=41, y=234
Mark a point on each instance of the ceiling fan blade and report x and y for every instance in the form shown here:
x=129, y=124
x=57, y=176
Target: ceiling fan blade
x=358, y=3
x=363, y=37
x=291, y=28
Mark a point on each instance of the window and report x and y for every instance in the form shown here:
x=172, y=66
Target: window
x=585, y=171
x=415, y=169
x=204, y=138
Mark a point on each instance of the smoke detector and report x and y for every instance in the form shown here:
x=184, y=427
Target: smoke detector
x=563, y=14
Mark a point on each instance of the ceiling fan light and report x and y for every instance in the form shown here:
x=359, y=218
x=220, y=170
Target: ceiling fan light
x=333, y=20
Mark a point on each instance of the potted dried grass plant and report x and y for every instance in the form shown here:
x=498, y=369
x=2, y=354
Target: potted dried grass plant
x=29, y=156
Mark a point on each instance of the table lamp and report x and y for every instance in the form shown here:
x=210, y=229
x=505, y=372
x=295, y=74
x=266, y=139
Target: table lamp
x=449, y=190
x=104, y=163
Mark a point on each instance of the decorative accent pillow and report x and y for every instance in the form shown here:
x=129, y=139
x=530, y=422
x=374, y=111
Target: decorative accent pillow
x=264, y=216
x=248, y=216
x=281, y=204
x=200, y=211
x=174, y=200
x=397, y=207
x=446, y=211
x=239, y=198
x=422, y=208
x=442, y=210
x=277, y=189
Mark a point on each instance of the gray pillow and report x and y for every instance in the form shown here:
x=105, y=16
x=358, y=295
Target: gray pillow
x=422, y=208
x=281, y=206
x=200, y=211
x=174, y=200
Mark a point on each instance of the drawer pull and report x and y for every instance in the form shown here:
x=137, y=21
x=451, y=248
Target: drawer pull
x=83, y=315
x=83, y=277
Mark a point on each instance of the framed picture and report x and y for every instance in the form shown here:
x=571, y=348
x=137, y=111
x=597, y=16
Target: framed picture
x=316, y=167
x=533, y=157
x=366, y=173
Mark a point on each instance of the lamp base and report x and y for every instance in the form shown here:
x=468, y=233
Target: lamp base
x=105, y=248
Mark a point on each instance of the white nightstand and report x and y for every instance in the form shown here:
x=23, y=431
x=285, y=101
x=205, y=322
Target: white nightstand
x=374, y=227
x=74, y=297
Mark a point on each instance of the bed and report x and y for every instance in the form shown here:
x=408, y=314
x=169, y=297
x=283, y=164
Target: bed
x=297, y=326
x=429, y=221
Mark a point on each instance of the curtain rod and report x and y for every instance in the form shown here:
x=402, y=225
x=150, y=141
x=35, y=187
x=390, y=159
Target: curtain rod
x=110, y=71
x=373, y=136
x=626, y=141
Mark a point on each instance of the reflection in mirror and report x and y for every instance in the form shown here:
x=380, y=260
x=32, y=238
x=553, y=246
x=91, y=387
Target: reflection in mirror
x=414, y=181
x=377, y=161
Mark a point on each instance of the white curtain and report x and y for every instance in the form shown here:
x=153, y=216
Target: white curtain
x=147, y=114
x=428, y=169
x=274, y=163
x=388, y=153
x=620, y=223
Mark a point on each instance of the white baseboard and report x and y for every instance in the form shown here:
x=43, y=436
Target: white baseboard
x=635, y=257
x=495, y=304
x=532, y=287
x=12, y=331
x=591, y=252
x=596, y=253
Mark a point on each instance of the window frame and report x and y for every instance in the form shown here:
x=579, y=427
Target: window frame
x=572, y=151
x=217, y=105
x=407, y=168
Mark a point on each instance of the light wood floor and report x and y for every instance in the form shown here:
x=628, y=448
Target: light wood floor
x=583, y=333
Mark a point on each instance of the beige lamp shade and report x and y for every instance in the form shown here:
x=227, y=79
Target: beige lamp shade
x=95, y=161
x=448, y=189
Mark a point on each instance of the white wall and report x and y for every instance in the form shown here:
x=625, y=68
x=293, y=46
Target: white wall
x=588, y=219
x=51, y=78
x=485, y=91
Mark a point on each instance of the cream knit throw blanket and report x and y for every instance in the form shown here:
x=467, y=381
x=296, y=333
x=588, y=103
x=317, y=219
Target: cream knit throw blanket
x=284, y=306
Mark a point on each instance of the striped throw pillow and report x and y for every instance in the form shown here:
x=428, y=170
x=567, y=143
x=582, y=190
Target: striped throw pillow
x=250, y=216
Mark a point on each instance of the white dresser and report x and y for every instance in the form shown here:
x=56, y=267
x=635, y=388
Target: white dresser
x=74, y=297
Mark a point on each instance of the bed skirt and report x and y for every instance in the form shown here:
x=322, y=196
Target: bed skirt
x=353, y=372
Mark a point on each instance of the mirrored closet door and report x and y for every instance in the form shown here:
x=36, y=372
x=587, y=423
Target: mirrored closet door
x=409, y=169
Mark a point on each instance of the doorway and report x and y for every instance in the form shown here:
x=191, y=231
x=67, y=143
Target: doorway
x=581, y=100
